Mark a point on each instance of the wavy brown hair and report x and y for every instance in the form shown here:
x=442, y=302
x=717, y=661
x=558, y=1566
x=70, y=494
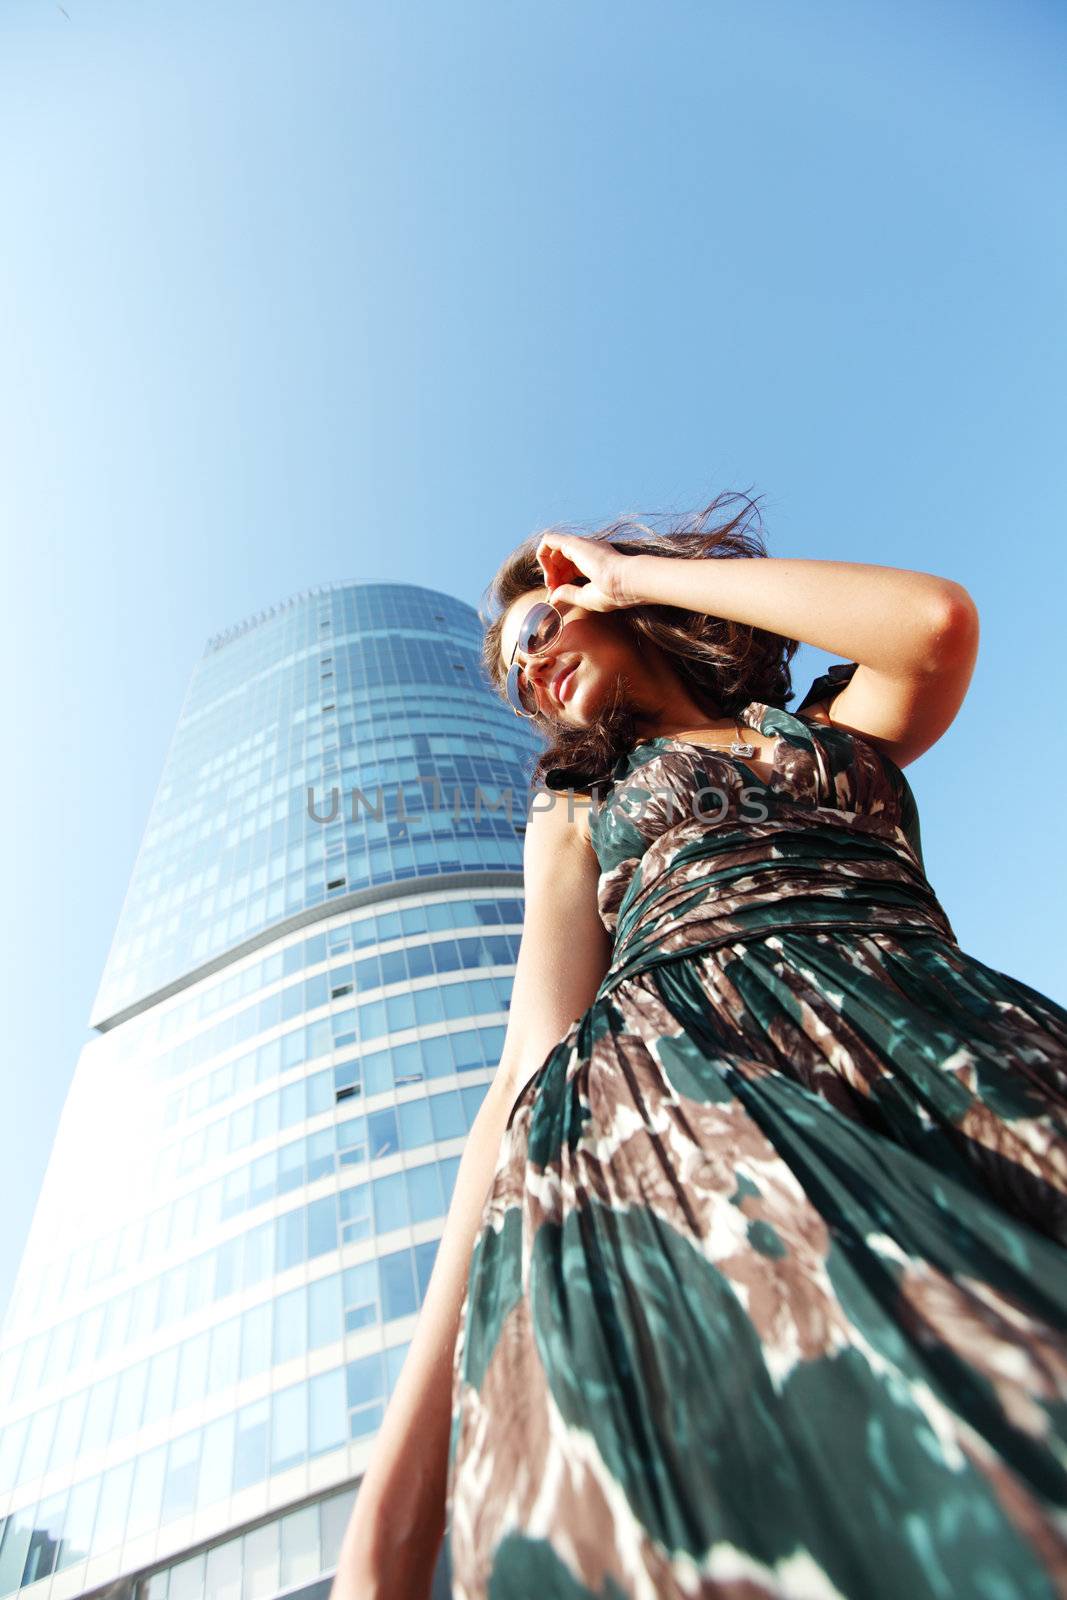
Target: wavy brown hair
x=723, y=664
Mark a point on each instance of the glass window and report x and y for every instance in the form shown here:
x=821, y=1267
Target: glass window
x=293, y=1103
x=250, y=1451
x=326, y=1411
x=360, y=1285
x=78, y=1523
x=425, y=1254
x=44, y=1541
x=17, y=1531
x=472, y=1095
x=147, y=1496
x=216, y=1465
x=43, y=1426
x=113, y=1508
x=289, y=1426
x=261, y=1562
x=258, y=1256
x=291, y=1166
x=382, y=1132
x=130, y=1402
x=364, y=1379
x=355, y=1212
x=192, y=1370
x=290, y=1325
x=187, y=1579
x=429, y=1006
x=414, y=1126
x=437, y=1056
x=255, y=1340
x=224, y=1571
x=300, y=1546
x=324, y=1299
x=225, y=1354
x=263, y=1178
x=320, y=1153
x=424, y=1191
x=13, y=1438
x=446, y=1112
x=335, y=1514
x=319, y=1093
x=322, y=1226
x=292, y=1238
x=390, y=1202
x=398, y=1284
x=159, y=1399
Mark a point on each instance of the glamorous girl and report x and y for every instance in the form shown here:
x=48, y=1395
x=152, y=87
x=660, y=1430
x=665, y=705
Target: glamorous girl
x=753, y=1282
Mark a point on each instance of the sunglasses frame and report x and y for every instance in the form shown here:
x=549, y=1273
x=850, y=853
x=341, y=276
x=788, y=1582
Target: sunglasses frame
x=512, y=690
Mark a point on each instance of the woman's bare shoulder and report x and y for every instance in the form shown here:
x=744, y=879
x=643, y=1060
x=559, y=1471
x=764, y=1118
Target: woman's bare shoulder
x=567, y=813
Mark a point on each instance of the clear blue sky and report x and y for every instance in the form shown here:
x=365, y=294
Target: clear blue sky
x=291, y=293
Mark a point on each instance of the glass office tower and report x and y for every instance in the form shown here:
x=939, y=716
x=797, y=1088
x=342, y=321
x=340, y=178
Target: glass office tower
x=304, y=1003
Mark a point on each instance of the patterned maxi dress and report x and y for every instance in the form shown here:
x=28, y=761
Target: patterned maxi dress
x=770, y=1288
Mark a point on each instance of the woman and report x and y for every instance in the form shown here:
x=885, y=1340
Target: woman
x=753, y=1278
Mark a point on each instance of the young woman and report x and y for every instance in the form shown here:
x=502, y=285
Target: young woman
x=753, y=1282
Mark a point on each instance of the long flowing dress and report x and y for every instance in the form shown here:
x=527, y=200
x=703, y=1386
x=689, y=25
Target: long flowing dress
x=769, y=1292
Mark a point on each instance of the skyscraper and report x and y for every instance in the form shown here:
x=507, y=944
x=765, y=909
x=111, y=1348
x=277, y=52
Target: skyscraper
x=304, y=1002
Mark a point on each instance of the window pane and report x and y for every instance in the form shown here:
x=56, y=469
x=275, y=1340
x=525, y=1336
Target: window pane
x=250, y=1453
x=159, y=1400
x=289, y=1427
x=183, y=1465
x=224, y=1571
x=78, y=1523
x=225, y=1354
x=216, y=1466
x=113, y=1508
x=261, y=1563
x=300, y=1546
x=192, y=1370
x=187, y=1580
x=327, y=1411
x=44, y=1541
x=322, y=1226
x=390, y=1202
x=255, y=1340
x=364, y=1379
x=398, y=1284
x=424, y=1191
x=292, y=1238
x=324, y=1300
x=415, y=1128
x=447, y=1114
x=290, y=1325
x=336, y=1512
x=147, y=1491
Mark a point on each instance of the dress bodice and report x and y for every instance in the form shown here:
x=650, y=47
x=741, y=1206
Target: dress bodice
x=695, y=848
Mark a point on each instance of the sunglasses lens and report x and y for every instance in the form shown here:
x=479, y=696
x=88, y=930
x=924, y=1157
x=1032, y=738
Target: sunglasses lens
x=540, y=627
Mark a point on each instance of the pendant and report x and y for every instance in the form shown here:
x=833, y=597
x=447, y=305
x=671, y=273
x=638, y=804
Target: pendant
x=738, y=749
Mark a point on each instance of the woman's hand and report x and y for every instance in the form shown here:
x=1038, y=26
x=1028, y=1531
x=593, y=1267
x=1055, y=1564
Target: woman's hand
x=588, y=572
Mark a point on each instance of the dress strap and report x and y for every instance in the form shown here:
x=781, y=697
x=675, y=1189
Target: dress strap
x=828, y=684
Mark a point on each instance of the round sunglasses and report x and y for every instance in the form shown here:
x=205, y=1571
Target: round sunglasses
x=540, y=628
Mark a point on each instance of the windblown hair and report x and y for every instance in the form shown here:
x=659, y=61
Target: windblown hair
x=723, y=664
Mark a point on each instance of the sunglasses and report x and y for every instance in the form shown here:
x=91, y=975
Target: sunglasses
x=540, y=628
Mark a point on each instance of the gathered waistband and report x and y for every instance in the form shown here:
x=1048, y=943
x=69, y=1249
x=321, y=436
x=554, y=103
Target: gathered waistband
x=720, y=887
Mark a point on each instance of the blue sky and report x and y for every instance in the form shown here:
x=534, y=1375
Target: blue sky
x=340, y=291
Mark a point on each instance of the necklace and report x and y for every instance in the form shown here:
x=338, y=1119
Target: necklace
x=738, y=747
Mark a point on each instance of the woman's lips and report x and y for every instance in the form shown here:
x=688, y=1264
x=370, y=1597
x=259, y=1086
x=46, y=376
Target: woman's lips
x=566, y=683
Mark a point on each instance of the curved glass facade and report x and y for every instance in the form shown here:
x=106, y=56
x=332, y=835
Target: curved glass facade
x=305, y=1000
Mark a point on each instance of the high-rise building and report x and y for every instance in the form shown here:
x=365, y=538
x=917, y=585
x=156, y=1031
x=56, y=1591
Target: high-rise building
x=304, y=1002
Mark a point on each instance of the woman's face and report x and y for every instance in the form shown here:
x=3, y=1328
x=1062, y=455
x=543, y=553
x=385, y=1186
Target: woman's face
x=590, y=642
